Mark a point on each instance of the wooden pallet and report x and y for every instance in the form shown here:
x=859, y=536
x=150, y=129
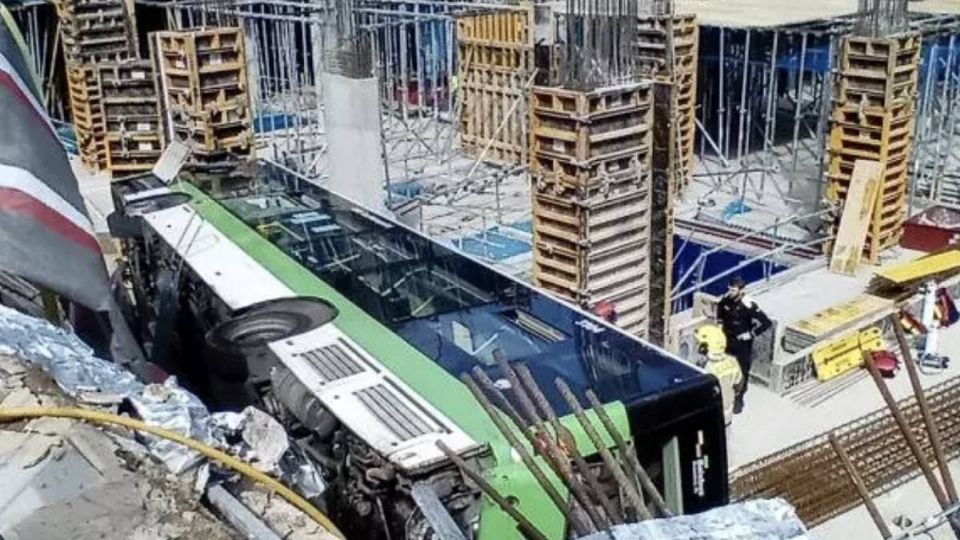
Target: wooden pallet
x=652, y=40
x=85, y=109
x=95, y=31
x=583, y=144
x=591, y=105
x=202, y=81
x=496, y=54
x=590, y=155
x=131, y=115
x=873, y=119
x=878, y=72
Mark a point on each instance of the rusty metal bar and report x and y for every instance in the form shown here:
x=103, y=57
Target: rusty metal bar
x=873, y=442
x=857, y=482
x=561, y=465
x=538, y=474
x=628, y=456
x=526, y=528
x=583, y=468
x=906, y=432
x=932, y=430
x=633, y=494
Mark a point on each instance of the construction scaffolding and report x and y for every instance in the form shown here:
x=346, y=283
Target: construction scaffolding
x=760, y=128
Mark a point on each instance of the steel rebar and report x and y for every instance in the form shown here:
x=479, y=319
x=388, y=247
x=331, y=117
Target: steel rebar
x=932, y=430
x=861, y=488
x=636, y=499
x=629, y=457
x=561, y=466
x=528, y=461
x=581, y=465
x=907, y=433
x=527, y=528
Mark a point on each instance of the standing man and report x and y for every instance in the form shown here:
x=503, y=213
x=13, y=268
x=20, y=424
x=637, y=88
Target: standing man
x=742, y=320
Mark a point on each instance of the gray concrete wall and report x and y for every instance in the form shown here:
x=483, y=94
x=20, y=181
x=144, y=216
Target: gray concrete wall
x=352, y=123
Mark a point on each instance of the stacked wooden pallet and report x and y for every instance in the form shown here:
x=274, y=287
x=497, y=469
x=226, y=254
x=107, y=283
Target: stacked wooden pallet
x=96, y=30
x=674, y=60
x=84, y=92
x=92, y=31
x=131, y=116
x=590, y=156
x=203, y=86
x=873, y=119
x=496, y=55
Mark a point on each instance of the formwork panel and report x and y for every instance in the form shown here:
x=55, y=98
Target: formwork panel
x=92, y=32
x=675, y=61
x=873, y=119
x=202, y=82
x=495, y=51
x=131, y=115
x=590, y=157
x=84, y=94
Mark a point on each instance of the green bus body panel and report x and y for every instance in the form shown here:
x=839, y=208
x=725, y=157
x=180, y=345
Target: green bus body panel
x=429, y=380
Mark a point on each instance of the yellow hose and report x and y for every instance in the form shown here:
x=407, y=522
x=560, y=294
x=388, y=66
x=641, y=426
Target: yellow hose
x=10, y=414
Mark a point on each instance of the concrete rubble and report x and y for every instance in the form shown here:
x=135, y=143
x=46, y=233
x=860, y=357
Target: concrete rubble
x=64, y=479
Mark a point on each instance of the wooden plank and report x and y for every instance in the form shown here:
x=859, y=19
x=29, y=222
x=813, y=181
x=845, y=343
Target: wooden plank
x=857, y=214
x=922, y=268
x=841, y=316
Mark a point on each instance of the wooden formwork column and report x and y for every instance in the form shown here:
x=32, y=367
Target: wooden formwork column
x=131, y=116
x=668, y=48
x=590, y=159
x=495, y=63
x=203, y=88
x=873, y=119
x=663, y=184
x=92, y=33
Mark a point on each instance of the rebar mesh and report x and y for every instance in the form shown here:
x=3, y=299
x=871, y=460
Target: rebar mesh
x=598, y=44
x=876, y=447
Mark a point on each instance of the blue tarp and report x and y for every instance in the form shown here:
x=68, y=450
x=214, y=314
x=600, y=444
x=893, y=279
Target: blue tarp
x=721, y=261
x=493, y=244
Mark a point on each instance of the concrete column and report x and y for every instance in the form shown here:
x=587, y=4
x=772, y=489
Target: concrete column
x=352, y=123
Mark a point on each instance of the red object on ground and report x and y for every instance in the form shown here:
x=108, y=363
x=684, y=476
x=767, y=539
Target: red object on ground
x=933, y=229
x=887, y=364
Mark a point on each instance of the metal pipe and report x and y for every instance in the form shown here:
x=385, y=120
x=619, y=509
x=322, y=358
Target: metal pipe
x=799, y=102
x=527, y=528
x=629, y=456
x=932, y=430
x=769, y=129
x=741, y=128
x=721, y=110
x=750, y=261
x=636, y=499
x=861, y=488
x=826, y=108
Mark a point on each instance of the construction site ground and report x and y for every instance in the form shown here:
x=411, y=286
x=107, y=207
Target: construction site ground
x=772, y=422
x=61, y=475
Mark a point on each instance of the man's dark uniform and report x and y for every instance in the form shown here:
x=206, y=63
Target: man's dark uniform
x=740, y=318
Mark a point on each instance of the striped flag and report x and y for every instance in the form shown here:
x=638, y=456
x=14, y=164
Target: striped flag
x=45, y=233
